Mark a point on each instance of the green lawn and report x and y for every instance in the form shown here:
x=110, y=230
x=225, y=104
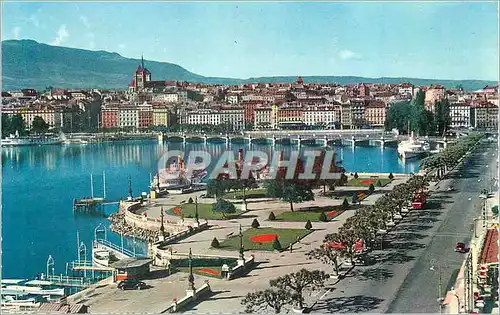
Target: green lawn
x=365, y=182
x=203, y=271
x=285, y=236
x=251, y=193
x=309, y=214
x=340, y=195
x=204, y=212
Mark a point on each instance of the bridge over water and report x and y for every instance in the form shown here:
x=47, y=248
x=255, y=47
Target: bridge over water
x=303, y=137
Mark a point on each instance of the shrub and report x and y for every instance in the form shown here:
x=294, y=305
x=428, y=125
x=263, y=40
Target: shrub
x=371, y=188
x=271, y=217
x=331, y=188
x=308, y=225
x=345, y=204
x=215, y=243
x=190, y=200
x=277, y=244
x=322, y=217
x=255, y=224
x=391, y=176
x=378, y=183
x=356, y=175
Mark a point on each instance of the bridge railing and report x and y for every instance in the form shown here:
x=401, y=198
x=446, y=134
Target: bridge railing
x=115, y=247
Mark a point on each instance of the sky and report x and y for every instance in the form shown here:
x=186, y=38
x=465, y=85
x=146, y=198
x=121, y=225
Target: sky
x=434, y=40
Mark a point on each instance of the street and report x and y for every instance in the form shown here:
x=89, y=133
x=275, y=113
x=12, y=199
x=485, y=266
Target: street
x=419, y=263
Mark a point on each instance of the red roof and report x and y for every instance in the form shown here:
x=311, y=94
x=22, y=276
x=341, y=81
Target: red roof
x=489, y=253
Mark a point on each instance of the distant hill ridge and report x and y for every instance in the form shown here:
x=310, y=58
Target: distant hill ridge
x=29, y=64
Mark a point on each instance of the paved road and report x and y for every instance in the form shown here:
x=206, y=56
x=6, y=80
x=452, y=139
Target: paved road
x=402, y=280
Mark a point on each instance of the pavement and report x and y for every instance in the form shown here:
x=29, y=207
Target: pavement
x=420, y=263
x=157, y=297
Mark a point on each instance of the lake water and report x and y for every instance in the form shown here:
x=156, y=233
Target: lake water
x=40, y=183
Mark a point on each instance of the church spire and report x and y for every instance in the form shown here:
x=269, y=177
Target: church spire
x=142, y=61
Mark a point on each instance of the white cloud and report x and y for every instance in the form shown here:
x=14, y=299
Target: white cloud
x=16, y=32
x=62, y=34
x=85, y=21
x=346, y=54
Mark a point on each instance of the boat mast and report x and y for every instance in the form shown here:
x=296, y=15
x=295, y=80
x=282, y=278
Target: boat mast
x=91, y=186
x=104, y=184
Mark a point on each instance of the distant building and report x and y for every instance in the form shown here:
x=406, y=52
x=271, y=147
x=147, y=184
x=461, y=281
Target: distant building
x=375, y=113
x=434, y=93
x=460, y=115
x=484, y=115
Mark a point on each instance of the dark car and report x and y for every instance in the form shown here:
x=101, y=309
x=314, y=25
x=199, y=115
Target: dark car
x=131, y=284
x=461, y=248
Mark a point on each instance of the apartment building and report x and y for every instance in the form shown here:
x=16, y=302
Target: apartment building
x=460, y=115
x=320, y=115
x=233, y=116
x=160, y=115
x=128, y=117
x=375, y=113
x=204, y=117
x=484, y=115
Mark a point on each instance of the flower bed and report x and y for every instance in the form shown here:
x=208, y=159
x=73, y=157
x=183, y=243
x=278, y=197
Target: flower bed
x=263, y=238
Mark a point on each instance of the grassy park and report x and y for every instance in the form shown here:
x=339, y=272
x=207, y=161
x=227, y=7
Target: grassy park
x=250, y=194
x=262, y=238
x=313, y=214
x=365, y=182
x=204, y=212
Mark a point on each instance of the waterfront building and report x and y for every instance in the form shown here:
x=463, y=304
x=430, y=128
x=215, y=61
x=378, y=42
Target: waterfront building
x=109, y=117
x=263, y=118
x=128, y=117
x=345, y=116
x=325, y=115
x=434, y=93
x=233, y=116
x=249, y=110
x=357, y=108
x=145, y=116
x=484, y=115
x=290, y=116
x=460, y=115
x=203, y=117
x=160, y=115
x=375, y=113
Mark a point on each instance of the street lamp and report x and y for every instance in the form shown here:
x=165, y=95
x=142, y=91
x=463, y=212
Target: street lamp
x=190, y=276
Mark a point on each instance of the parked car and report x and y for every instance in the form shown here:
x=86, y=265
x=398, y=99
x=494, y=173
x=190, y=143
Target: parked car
x=461, y=248
x=131, y=284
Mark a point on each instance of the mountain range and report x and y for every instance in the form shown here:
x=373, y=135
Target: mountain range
x=29, y=64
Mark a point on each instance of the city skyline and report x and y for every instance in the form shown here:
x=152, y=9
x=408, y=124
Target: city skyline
x=242, y=40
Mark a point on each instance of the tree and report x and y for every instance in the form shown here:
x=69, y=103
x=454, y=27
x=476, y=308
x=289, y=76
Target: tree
x=378, y=183
x=344, y=240
x=371, y=188
x=215, y=243
x=299, y=281
x=322, y=217
x=391, y=176
x=308, y=225
x=345, y=204
x=289, y=191
x=271, y=217
x=271, y=298
x=39, y=125
x=217, y=187
x=277, y=244
x=255, y=224
x=327, y=255
x=355, y=198
x=443, y=118
x=223, y=207
x=398, y=116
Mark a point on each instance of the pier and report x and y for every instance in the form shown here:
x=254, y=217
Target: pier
x=92, y=204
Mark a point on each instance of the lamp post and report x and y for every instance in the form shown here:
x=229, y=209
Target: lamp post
x=130, y=187
x=242, y=250
x=190, y=276
x=196, y=216
x=162, y=227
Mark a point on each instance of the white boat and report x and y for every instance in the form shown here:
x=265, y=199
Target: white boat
x=16, y=140
x=413, y=148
